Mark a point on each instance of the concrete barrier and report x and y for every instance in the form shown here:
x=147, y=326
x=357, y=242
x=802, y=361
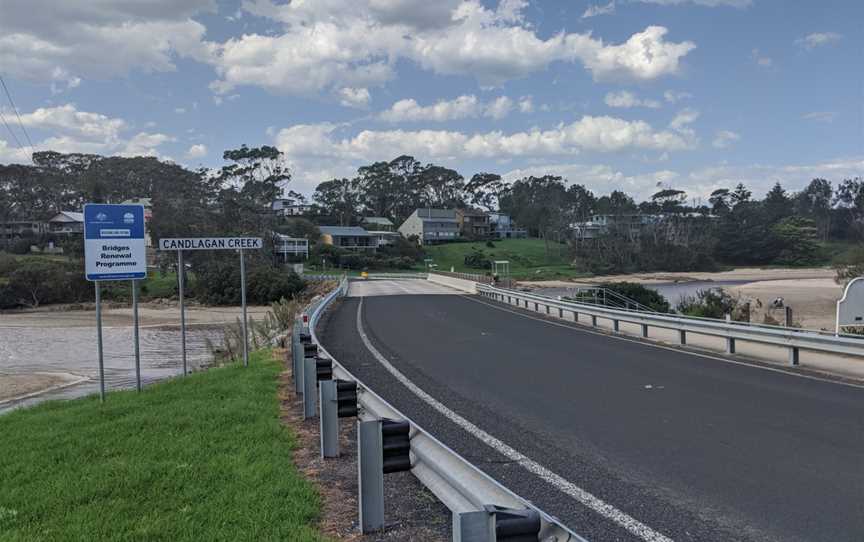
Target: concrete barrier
x=468, y=286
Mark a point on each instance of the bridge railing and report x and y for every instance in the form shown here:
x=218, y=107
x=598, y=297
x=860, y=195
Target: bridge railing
x=458, y=484
x=793, y=339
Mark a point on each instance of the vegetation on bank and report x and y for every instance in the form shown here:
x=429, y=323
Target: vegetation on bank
x=197, y=458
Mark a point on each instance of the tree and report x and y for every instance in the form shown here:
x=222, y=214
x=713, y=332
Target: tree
x=815, y=202
x=796, y=238
x=777, y=204
x=849, y=209
x=485, y=190
x=721, y=201
x=616, y=203
x=740, y=196
x=538, y=203
x=668, y=201
x=339, y=198
x=581, y=203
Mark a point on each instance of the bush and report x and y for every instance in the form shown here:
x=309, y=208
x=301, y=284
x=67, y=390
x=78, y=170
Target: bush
x=37, y=282
x=477, y=259
x=218, y=282
x=714, y=303
x=20, y=246
x=490, y=244
x=640, y=294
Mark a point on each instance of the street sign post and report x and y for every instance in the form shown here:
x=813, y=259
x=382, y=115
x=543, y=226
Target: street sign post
x=212, y=243
x=114, y=249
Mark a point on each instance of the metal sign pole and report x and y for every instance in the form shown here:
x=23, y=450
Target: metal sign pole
x=137, y=342
x=99, y=342
x=180, y=282
x=243, y=302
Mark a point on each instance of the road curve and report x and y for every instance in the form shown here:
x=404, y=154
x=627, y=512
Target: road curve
x=693, y=448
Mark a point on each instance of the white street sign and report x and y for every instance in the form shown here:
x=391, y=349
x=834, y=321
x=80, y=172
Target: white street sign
x=211, y=243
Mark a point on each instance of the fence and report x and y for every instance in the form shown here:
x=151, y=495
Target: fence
x=792, y=339
x=458, y=484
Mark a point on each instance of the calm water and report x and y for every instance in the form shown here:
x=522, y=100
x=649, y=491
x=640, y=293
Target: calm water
x=672, y=291
x=73, y=350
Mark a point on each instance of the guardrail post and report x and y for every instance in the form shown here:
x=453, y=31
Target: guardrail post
x=536, y=307
x=594, y=320
x=548, y=309
x=615, y=325
x=329, y=418
x=495, y=523
x=560, y=313
x=576, y=317
x=309, y=392
x=682, y=337
x=309, y=350
x=370, y=471
x=788, y=316
x=730, y=345
x=793, y=355
x=645, y=330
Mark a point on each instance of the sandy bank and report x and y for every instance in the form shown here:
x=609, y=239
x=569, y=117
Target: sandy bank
x=741, y=274
x=16, y=386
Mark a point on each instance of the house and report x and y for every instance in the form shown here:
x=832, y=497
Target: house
x=385, y=237
x=473, y=223
x=287, y=207
x=286, y=246
x=431, y=226
x=348, y=238
x=377, y=223
x=501, y=226
x=67, y=223
x=597, y=225
x=16, y=229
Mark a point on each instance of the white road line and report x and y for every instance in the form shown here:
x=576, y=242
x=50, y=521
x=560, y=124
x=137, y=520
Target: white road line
x=583, y=329
x=597, y=505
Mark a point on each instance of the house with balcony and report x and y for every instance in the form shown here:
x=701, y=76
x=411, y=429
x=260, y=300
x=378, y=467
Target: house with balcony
x=431, y=226
x=473, y=223
x=629, y=224
x=287, y=208
x=17, y=229
x=67, y=223
x=352, y=238
x=502, y=226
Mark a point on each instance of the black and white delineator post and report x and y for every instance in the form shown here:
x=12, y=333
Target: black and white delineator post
x=338, y=399
x=383, y=447
x=496, y=524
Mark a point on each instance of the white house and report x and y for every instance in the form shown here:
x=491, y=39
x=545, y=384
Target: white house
x=431, y=226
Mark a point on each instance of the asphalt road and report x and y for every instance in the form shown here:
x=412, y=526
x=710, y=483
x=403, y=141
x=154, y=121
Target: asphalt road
x=692, y=447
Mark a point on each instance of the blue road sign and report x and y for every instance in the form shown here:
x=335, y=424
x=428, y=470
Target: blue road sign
x=114, y=246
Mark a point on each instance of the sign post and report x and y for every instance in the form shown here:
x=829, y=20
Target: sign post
x=213, y=243
x=137, y=342
x=114, y=249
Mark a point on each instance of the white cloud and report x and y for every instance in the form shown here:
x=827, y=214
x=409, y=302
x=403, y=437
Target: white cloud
x=342, y=43
x=821, y=116
x=599, y=9
x=354, y=97
x=724, y=139
x=197, y=151
x=60, y=42
x=180, y=110
x=627, y=99
x=818, y=39
x=526, y=104
x=706, y=3
x=66, y=129
x=760, y=59
x=672, y=96
x=462, y=107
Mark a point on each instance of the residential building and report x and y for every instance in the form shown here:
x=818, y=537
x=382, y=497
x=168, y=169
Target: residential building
x=16, y=229
x=286, y=246
x=348, y=238
x=600, y=224
x=377, y=223
x=385, y=237
x=287, y=207
x=501, y=226
x=473, y=223
x=431, y=226
x=67, y=223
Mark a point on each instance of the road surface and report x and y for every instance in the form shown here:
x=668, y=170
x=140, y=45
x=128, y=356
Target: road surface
x=688, y=446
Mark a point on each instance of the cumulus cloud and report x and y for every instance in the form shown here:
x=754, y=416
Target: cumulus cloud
x=66, y=129
x=627, y=99
x=198, y=150
x=672, y=96
x=462, y=107
x=724, y=139
x=61, y=42
x=342, y=43
x=354, y=97
x=818, y=39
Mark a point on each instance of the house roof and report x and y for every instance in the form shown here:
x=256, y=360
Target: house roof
x=436, y=214
x=344, y=231
x=68, y=216
x=473, y=212
x=380, y=220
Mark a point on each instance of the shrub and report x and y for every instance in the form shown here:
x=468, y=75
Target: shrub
x=714, y=303
x=477, y=259
x=218, y=282
x=490, y=244
x=37, y=282
x=641, y=294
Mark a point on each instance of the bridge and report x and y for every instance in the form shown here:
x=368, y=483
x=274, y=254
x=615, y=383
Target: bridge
x=613, y=436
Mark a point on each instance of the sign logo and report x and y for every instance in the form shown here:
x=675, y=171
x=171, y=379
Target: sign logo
x=129, y=218
x=101, y=217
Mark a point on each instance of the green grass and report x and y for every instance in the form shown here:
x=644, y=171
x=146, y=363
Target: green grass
x=200, y=458
x=528, y=258
x=158, y=286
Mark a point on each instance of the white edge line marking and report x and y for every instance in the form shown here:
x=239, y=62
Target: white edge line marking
x=597, y=505
x=584, y=329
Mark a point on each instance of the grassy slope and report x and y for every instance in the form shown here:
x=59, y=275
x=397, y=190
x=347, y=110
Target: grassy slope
x=200, y=458
x=527, y=257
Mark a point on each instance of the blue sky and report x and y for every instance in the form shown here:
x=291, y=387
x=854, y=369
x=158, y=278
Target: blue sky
x=621, y=94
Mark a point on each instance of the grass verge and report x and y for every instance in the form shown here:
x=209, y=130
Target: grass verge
x=529, y=259
x=199, y=458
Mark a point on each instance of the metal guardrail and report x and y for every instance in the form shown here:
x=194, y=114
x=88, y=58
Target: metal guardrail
x=792, y=338
x=457, y=483
x=383, y=276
